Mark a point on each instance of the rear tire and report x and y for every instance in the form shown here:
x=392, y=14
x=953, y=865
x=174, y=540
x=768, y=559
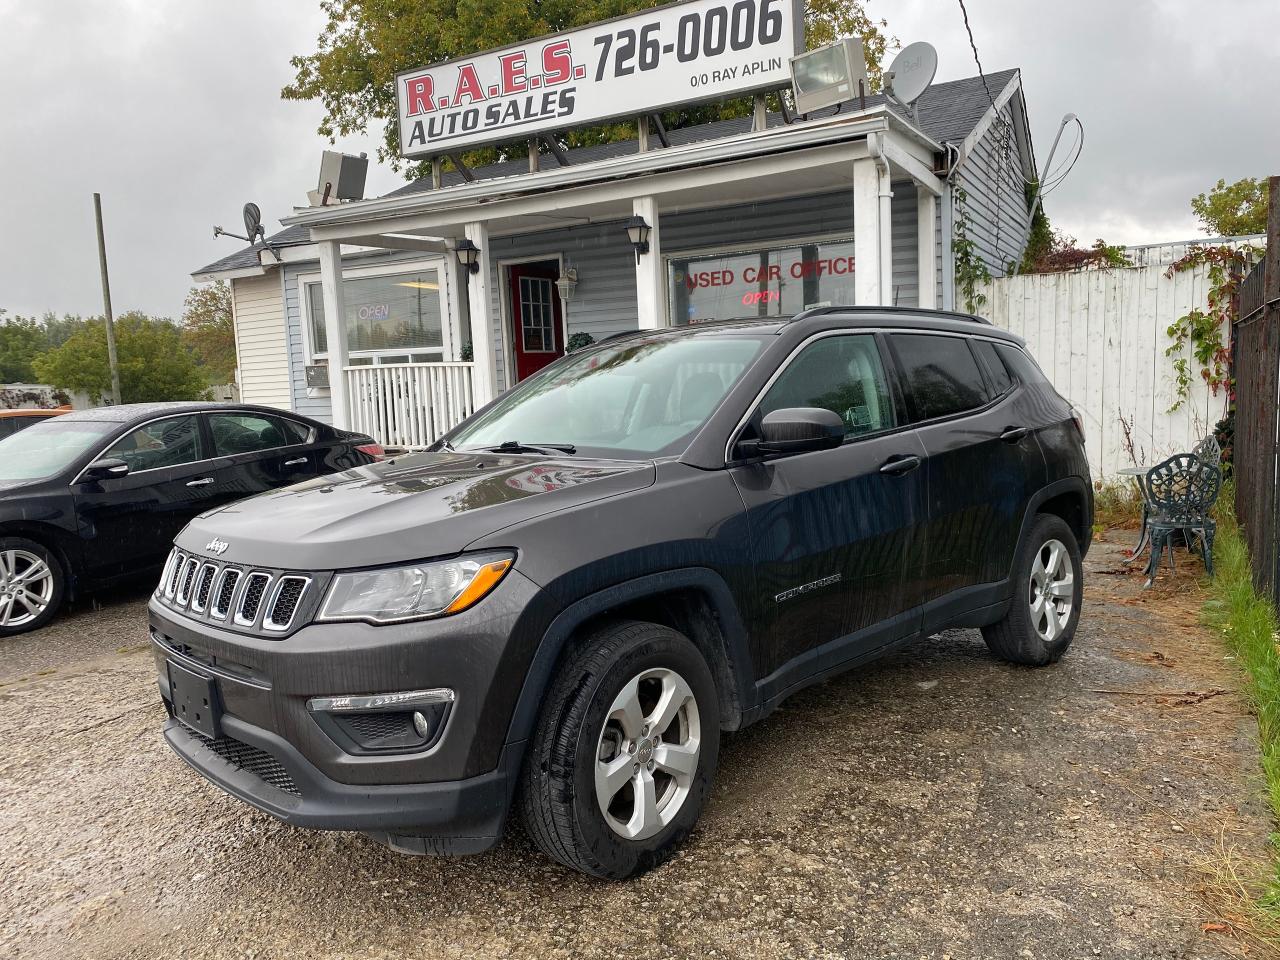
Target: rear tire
x=1048, y=593
x=624, y=751
x=32, y=585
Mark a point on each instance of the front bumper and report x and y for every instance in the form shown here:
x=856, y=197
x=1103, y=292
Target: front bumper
x=451, y=796
x=454, y=817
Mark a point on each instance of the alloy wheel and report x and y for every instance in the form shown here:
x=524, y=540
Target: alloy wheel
x=1052, y=590
x=26, y=587
x=647, y=755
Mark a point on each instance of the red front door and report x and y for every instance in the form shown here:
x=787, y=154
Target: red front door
x=538, y=331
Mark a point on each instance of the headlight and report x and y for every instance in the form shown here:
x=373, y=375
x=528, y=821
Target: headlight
x=411, y=593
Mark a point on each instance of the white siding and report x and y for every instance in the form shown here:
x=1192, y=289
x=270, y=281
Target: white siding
x=1100, y=336
x=262, y=352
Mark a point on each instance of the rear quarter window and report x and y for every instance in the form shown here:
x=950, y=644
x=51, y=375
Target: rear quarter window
x=997, y=372
x=1020, y=365
x=939, y=373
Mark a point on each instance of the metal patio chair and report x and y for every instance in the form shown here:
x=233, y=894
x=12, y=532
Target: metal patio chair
x=1206, y=451
x=1181, y=492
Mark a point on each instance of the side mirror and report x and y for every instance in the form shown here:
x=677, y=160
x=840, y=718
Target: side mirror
x=797, y=430
x=109, y=469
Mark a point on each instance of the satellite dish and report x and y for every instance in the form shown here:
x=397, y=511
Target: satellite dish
x=911, y=72
x=252, y=221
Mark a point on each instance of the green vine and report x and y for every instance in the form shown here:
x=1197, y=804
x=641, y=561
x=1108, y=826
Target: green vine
x=971, y=270
x=1199, y=335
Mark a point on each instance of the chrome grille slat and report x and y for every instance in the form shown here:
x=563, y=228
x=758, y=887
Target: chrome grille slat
x=204, y=584
x=225, y=592
x=285, y=600
x=187, y=581
x=175, y=572
x=250, y=602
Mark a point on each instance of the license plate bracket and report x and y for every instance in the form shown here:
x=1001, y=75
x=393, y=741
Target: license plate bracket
x=195, y=700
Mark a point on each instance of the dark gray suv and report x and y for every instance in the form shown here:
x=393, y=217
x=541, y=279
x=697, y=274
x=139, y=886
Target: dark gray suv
x=561, y=606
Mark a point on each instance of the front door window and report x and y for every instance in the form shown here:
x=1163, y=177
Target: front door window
x=537, y=328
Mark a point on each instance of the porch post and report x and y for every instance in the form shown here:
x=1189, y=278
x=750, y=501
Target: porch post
x=651, y=282
x=927, y=247
x=866, y=234
x=335, y=313
x=484, y=374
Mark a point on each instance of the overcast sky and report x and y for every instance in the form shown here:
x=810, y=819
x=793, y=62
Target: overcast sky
x=171, y=109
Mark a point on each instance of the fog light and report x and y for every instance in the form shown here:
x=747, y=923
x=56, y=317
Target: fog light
x=421, y=725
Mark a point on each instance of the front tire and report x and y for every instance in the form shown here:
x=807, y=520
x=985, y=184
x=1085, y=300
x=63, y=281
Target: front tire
x=32, y=585
x=1048, y=593
x=624, y=751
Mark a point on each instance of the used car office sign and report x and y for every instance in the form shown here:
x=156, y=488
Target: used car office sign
x=700, y=50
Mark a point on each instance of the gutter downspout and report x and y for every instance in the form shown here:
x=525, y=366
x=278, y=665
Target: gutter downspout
x=948, y=226
x=884, y=225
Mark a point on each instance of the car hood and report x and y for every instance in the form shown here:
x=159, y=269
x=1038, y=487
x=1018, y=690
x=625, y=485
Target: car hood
x=407, y=509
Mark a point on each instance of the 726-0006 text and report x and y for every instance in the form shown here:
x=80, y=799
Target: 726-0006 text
x=745, y=25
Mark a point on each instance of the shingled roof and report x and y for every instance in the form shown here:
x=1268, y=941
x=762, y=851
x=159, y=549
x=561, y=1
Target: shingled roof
x=948, y=112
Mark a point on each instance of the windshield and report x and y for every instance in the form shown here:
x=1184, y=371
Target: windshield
x=49, y=447
x=638, y=399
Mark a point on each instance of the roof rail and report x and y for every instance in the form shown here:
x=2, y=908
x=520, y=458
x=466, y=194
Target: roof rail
x=915, y=311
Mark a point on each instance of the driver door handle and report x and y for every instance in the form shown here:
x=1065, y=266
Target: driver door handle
x=202, y=482
x=295, y=463
x=1013, y=434
x=896, y=466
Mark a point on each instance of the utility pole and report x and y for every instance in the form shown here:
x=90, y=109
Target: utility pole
x=106, y=303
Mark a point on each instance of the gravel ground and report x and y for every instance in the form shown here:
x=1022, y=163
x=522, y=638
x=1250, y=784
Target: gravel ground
x=937, y=804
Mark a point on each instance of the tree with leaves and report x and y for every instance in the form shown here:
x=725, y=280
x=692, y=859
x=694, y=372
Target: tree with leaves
x=1233, y=210
x=22, y=339
x=153, y=364
x=208, y=330
x=366, y=42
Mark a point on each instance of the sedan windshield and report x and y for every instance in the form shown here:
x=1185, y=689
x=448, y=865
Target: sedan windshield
x=640, y=398
x=47, y=448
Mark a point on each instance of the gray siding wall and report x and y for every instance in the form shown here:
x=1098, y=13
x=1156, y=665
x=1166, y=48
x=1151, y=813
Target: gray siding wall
x=604, y=302
x=998, y=220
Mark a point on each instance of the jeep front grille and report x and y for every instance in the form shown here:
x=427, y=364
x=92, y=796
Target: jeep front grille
x=245, y=599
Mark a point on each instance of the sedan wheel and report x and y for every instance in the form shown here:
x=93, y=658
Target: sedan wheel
x=31, y=585
x=26, y=587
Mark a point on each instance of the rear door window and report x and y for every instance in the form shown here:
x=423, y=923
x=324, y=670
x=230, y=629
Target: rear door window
x=842, y=374
x=246, y=433
x=997, y=373
x=939, y=374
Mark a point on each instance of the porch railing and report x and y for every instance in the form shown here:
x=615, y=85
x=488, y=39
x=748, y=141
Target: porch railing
x=409, y=405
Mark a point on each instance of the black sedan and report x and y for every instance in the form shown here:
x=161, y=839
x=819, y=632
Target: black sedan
x=95, y=497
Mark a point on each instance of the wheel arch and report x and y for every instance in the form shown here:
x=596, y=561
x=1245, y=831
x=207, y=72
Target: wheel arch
x=1070, y=499
x=695, y=601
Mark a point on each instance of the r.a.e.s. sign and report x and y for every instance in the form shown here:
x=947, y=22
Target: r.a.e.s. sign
x=676, y=54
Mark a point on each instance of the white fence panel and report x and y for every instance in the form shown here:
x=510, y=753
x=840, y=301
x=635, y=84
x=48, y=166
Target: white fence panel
x=1101, y=336
x=409, y=405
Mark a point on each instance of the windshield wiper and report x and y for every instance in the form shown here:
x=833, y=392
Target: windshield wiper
x=515, y=446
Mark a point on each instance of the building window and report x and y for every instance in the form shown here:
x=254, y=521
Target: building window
x=537, y=316
x=390, y=315
x=768, y=282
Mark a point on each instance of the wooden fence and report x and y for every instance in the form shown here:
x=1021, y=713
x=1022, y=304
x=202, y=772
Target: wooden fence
x=1256, y=337
x=1101, y=336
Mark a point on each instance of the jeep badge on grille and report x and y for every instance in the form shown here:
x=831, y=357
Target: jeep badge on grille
x=217, y=547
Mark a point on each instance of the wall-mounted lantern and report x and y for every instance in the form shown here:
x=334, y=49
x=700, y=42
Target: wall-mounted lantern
x=468, y=255
x=638, y=230
x=567, y=283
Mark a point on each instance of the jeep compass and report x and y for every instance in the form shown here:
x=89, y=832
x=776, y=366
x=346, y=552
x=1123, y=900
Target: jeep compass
x=557, y=610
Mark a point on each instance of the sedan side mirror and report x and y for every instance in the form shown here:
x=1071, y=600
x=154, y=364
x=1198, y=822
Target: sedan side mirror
x=797, y=430
x=110, y=468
